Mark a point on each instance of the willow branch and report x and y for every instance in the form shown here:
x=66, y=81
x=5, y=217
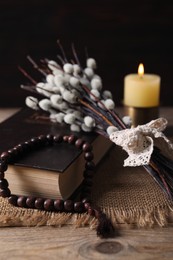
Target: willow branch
x=95, y=111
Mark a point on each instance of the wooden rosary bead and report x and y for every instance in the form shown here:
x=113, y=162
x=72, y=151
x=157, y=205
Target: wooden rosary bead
x=13, y=200
x=21, y=201
x=36, y=142
x=88, y=174
x=42, y=203
x=71, y=139
x=57, y=139
x=10, y=151
x=30, y=202
x=39, y=203
x=5, y=156
x=3, y=166
x=78, y=207
x=68, y=205
x=79, y=142
x=87, y=147
x=3, y=184
x=15, y=153
x=31, y=145
x=42, y=139
x=24, y=147
x=89, y=156
x=65, y=138
x=49, y=204
x=59, y=205
x=27, y=145
x=87, y=205
x=49, y=138
x=86, y=200
x=33, y=140
x=5, y=193
x=90, y=165
x=19, y=148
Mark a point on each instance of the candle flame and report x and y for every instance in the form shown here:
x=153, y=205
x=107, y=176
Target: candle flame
x=141, y=70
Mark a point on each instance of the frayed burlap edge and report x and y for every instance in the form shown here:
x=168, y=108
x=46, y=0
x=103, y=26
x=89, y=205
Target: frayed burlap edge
x=15, y=216
x=149, y=217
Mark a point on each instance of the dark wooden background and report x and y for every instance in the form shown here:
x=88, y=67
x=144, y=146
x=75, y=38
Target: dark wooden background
x=119, y=34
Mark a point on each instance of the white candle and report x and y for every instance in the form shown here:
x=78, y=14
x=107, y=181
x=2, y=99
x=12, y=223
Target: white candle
x=141, y=90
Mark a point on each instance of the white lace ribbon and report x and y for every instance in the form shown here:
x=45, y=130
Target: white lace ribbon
x=139, y=142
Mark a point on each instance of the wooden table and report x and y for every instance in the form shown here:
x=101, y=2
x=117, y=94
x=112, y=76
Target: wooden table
x=82, y=243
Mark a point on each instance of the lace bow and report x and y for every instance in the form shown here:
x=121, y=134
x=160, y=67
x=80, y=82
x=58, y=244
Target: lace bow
x=139, y=142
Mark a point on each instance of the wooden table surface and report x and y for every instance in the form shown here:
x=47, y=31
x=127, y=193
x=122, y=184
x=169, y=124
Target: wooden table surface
x=82, y=243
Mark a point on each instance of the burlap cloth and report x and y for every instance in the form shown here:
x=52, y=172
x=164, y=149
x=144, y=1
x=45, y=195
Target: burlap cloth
x=127, y=195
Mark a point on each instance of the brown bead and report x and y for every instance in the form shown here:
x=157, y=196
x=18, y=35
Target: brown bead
x=31, y=145
x=5, y=193
x=87, y=205
x=68, y=205
x=36, y=142
x=59, y=205
x=65, y=138
x=79, y=142
x=89, y=156
x=27, y=145
x=78, y=207
x=58, y=139
x=3, y=166
x=13, y=200
x=4, y=156
x=71, y=139
x=42, y=139
x=87, y=147
x=19, y=148
x=49, y=138
x=90, y=165
x=88, y=174
x=21, y=201
x=3, y=184
x=30, y=202
x=48, y=204
x=10, y=151
x=39, y=203
x=14, y=152
x=11, y=155
x=86, y=200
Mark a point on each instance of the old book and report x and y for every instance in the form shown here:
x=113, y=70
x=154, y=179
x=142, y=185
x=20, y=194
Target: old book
x=52, y=172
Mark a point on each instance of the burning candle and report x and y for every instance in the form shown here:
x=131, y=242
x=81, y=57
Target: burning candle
x=141, y=90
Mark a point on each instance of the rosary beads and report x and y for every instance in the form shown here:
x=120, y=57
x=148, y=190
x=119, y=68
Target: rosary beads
x=57, y=205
